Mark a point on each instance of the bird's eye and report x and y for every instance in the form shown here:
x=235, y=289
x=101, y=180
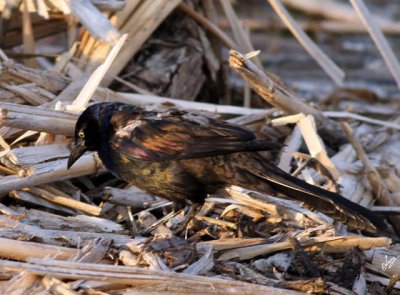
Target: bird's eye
x=81, y=134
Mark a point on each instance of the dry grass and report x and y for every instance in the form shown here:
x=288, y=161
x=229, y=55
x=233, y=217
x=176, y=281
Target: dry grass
x=75, y=231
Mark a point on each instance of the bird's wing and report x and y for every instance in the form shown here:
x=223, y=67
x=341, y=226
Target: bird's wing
x=167, y=136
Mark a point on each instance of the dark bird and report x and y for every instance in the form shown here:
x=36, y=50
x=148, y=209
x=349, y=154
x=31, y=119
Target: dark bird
x=182, y=157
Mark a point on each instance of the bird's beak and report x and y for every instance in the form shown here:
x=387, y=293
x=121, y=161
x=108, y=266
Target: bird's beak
x=78, y=150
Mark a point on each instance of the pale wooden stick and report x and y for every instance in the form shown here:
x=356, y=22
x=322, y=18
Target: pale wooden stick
x=21, y=250
x=386, y=209
x=90, y=87
x=14, y=229
x=27, y=35
x=78, y=223
x=50, y=172
x=379, y=39
x=326, y=244
x=51, y=81
x=26, y=93
x=67, y=202
x=94, y=21
x=109, y=5
x=36, y=111
x=333, y=71
x=392, y=27
x=30, y=155
x=231, y=243
x=139, y=99
x=74, y=223
x=292, y=145
x=30, y=118
x=221, y=223
x=315, y=144
x=37, y=201
x=347, y=115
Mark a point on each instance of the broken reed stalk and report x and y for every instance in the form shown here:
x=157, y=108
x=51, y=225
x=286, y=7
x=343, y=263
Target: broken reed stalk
x=31, y=155
x=86, y=12
x=209, y=26
x=67, y=202
x=18, y=73
x=232, y=243
x=140, y=99
x=282, y=98
x=14, y=229
x=379, y=39
x=71, y=222
x=37, y=201
x=141, y=278
x=91, y=51
x=241, y=38
x=381, y=192
x=330, y=68
x=21, y=250
x=28, y=39
x=37, y=119
x=339, y=244
x=50, y=172
x=27, y=94
x=93, y=82
x=348, y=115
x=314, y=143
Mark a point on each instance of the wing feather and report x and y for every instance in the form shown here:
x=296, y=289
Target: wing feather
x=167, y=136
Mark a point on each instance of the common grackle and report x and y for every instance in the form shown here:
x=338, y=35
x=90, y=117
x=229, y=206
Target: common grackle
x=182, y=157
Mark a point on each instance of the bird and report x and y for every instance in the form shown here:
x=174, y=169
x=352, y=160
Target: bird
x=183, y=157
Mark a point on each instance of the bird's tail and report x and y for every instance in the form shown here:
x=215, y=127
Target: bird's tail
x=329, y=203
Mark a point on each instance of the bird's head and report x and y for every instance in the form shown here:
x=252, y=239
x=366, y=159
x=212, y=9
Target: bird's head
x=89, y=130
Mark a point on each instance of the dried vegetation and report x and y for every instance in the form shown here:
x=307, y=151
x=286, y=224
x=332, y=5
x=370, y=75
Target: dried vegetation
x=325, y=83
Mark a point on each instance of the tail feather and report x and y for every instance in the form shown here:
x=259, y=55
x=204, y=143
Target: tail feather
x=329, y=203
